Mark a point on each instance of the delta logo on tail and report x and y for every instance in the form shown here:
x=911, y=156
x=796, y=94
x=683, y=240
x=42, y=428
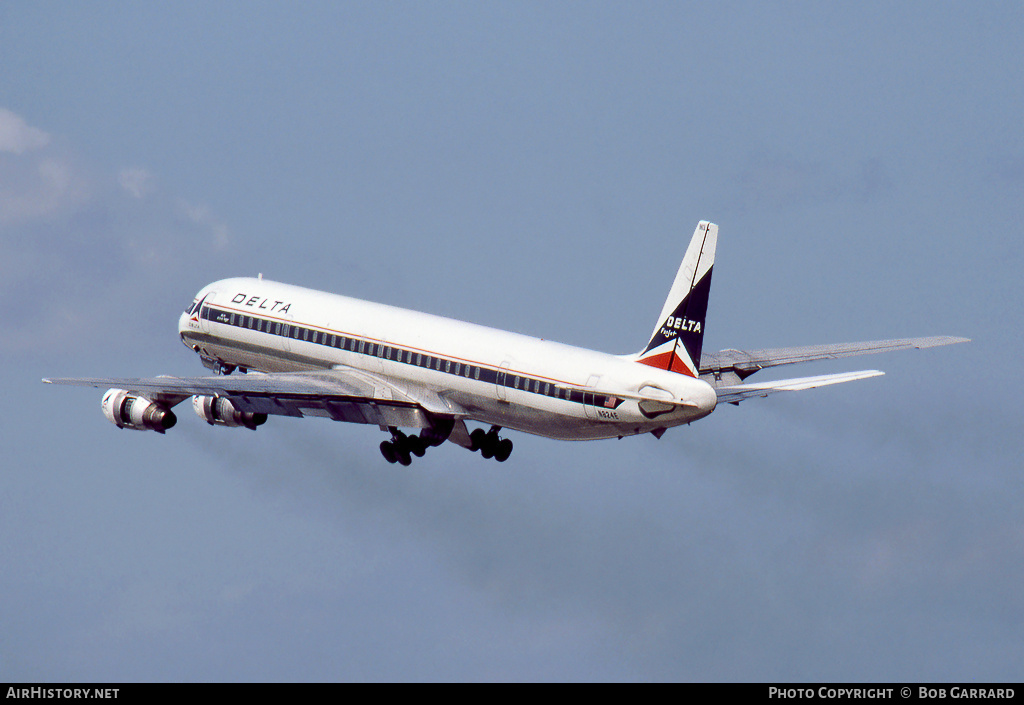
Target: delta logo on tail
x=677, y=340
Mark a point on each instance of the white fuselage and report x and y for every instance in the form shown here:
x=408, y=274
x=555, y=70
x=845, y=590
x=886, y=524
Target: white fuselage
x=493, y=376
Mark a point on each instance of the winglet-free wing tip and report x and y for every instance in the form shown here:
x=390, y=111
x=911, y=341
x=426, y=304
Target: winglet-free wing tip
x=936, y=341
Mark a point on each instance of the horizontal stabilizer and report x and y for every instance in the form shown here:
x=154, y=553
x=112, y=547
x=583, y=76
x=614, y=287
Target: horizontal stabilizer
x=734, y=394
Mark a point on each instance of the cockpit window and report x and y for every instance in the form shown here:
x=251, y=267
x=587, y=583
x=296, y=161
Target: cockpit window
x=191, y=307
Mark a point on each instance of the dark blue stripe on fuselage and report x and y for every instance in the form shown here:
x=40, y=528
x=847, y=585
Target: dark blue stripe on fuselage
x=361, y=346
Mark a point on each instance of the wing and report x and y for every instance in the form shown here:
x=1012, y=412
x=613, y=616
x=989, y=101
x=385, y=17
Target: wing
x=730, y=366
x=342, y=394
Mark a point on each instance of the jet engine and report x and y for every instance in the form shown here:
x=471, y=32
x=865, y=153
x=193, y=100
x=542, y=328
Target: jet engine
x=220, y=411
x=127, y=410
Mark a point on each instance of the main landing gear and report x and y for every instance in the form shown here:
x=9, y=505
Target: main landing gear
x=401, y=447
x=490, y=445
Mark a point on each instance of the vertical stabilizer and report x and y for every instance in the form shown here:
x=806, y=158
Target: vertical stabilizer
x=678, y=336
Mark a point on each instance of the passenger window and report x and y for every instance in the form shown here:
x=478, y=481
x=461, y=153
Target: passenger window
x=458, y=368
x=476, y=372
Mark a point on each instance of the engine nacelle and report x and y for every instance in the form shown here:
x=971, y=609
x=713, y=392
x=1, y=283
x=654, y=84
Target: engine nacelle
x=220, y=411
x=127, y=410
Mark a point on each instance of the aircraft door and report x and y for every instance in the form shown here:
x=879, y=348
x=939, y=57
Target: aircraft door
x=501, y=383
x=287, y=331
x=589, y=398
x=204, y=323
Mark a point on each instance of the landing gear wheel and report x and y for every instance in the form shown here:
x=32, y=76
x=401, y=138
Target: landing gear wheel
x=490, y=444
x=503, y=450
x=416, y=445
x=401, y=447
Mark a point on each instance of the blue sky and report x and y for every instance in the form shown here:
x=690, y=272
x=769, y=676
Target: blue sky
x=537, y=167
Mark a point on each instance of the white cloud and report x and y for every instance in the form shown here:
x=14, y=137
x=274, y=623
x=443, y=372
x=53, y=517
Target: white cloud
x=66, y=227
x=17, y=136
x=136, y=181
x=200, y=215
x=39, y=188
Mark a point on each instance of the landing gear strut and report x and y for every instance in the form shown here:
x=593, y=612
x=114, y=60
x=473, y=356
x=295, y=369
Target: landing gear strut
x=490, y=444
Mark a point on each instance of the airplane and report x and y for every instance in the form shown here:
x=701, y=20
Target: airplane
x=301, y=352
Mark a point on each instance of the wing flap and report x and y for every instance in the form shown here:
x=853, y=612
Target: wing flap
x=734, y=394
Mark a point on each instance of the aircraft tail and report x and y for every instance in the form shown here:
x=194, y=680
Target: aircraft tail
x=678, y=336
